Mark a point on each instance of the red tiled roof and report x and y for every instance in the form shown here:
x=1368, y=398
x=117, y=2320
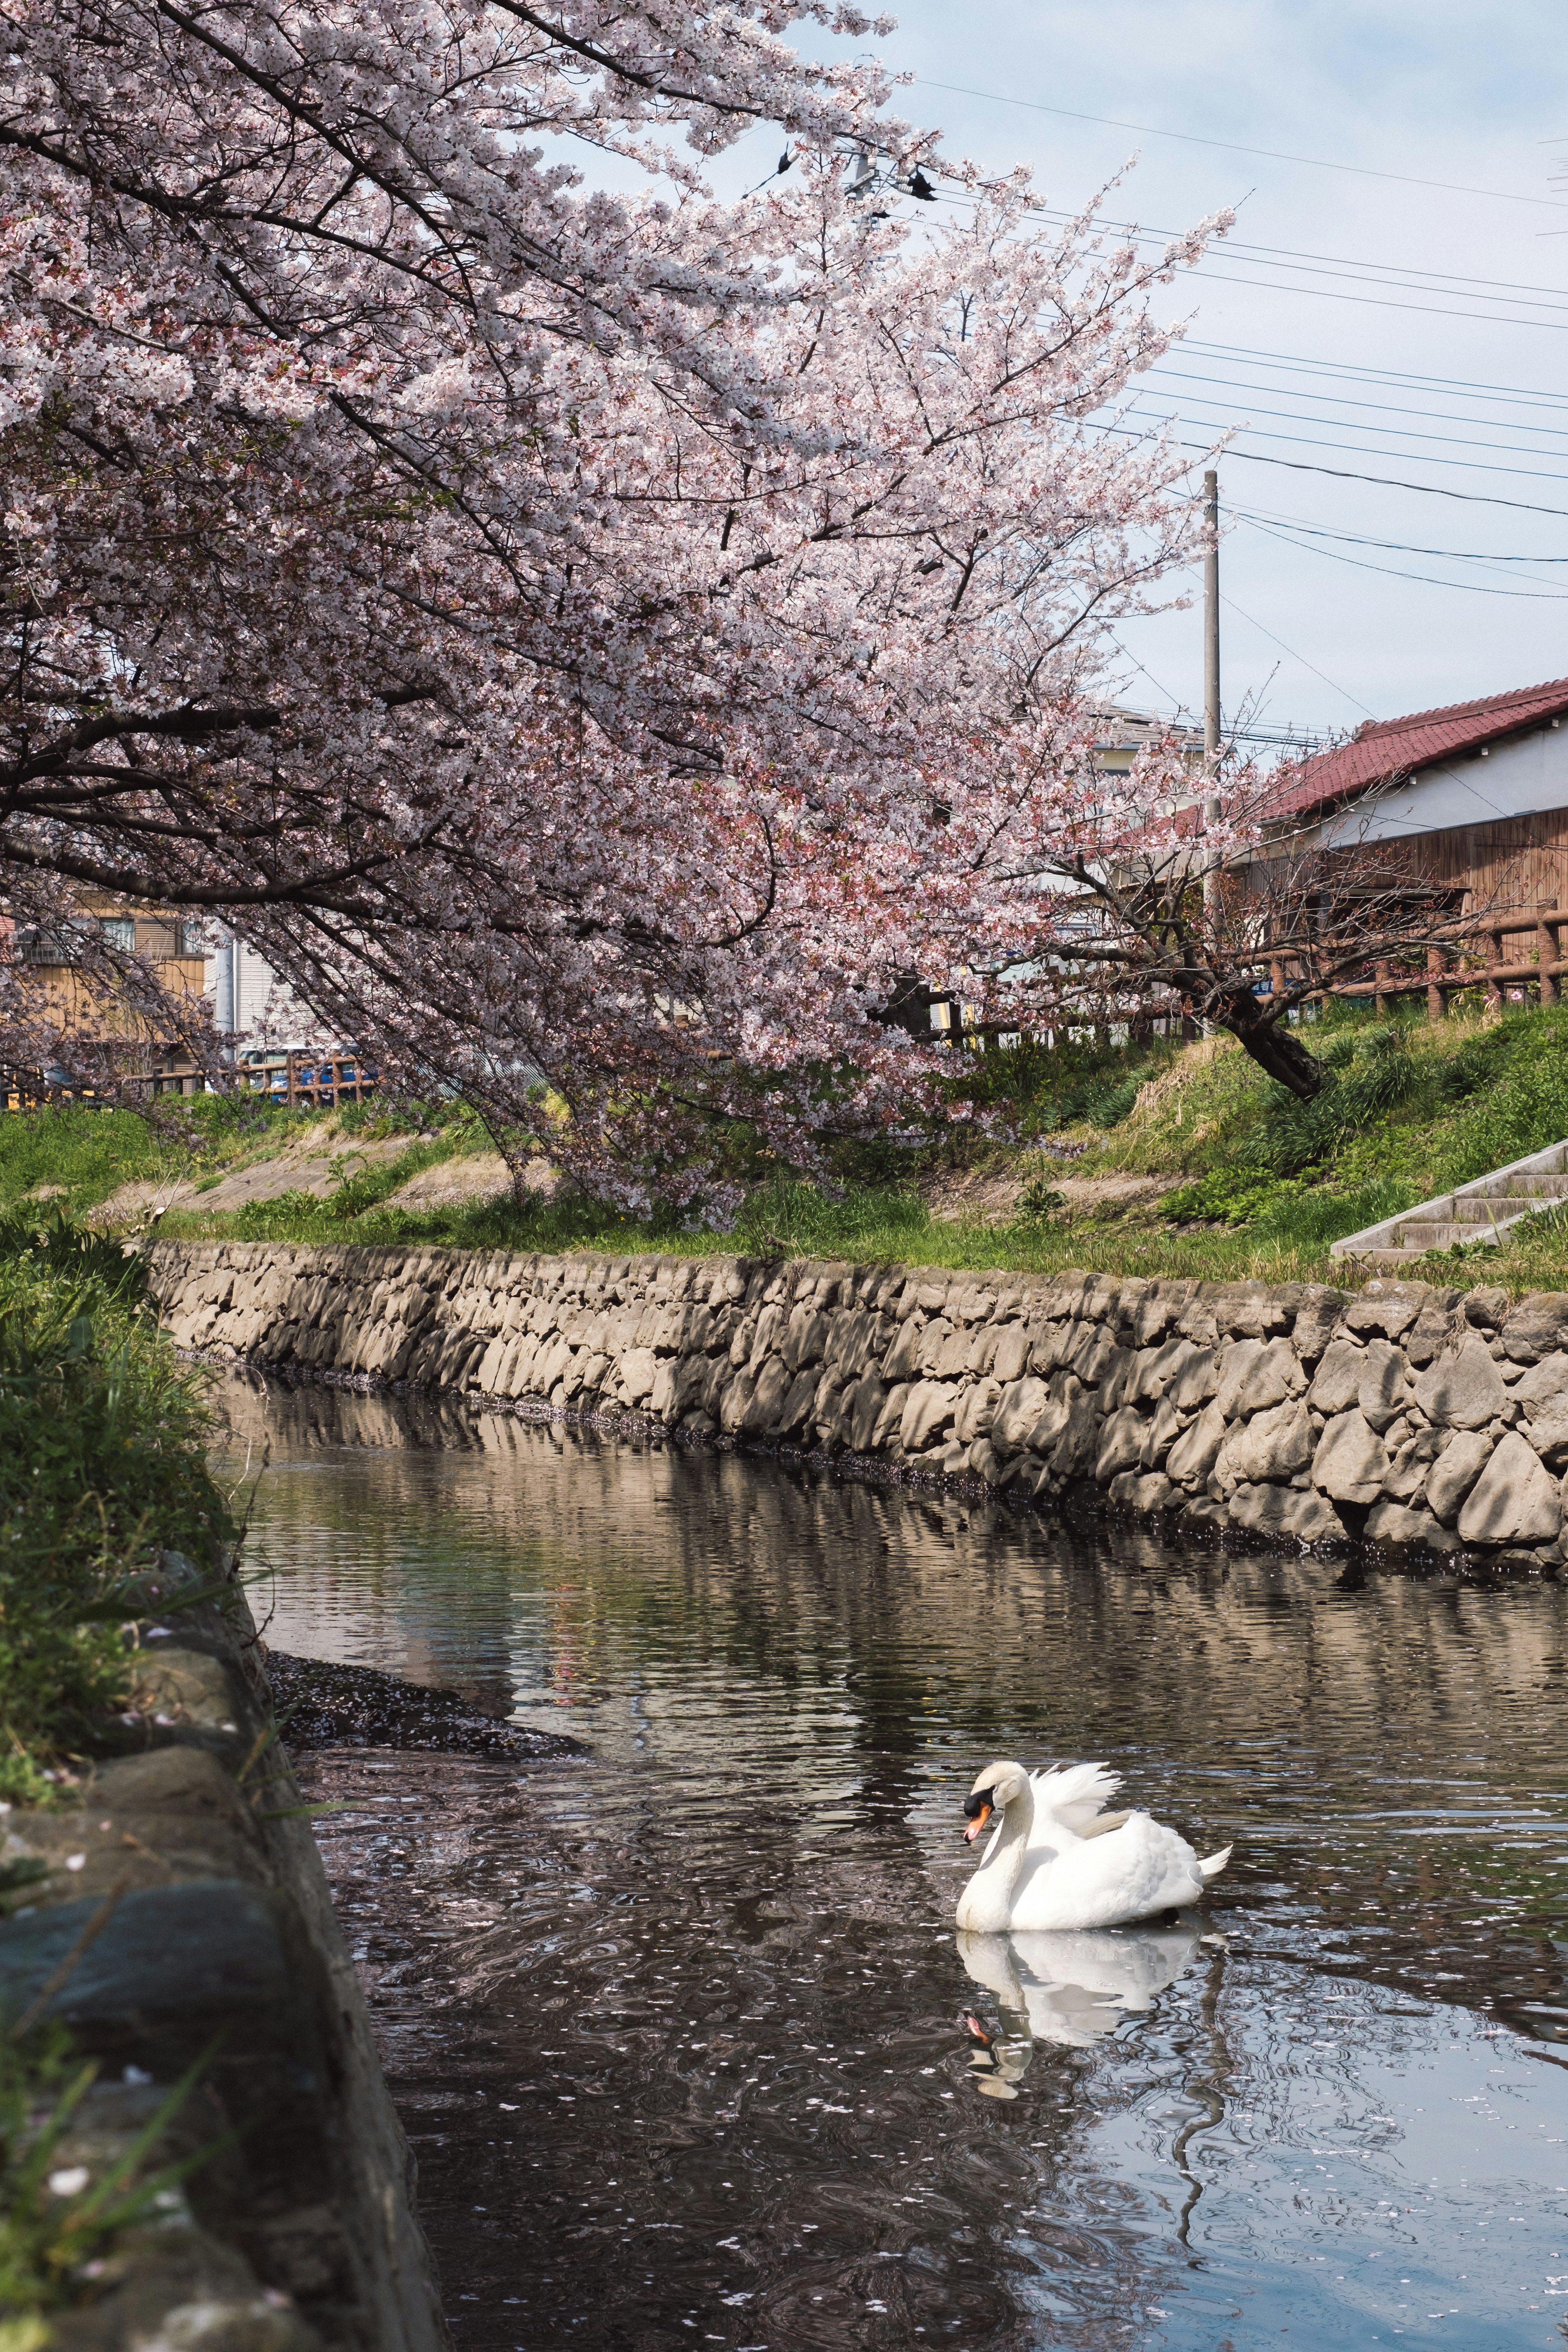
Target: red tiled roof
x=1393, y=747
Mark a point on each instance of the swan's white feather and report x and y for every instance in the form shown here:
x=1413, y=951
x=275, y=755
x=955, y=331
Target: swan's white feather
x=1074, y=1793
x=1052, y=1871
x=1133, y=1873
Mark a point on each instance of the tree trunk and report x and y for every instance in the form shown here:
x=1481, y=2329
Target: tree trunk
x=1274, y=1047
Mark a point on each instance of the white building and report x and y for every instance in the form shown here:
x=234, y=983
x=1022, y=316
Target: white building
x=249, y=1001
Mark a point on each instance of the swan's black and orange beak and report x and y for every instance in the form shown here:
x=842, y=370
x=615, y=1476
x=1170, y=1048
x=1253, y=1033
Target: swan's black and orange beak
x=978, y=1808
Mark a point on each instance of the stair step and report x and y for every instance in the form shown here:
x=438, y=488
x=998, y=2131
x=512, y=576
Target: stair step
x=1491, y=1188
x=1424, y=1236
x=1469, y=1211
x=1486, y=1211
x=1386, y=1256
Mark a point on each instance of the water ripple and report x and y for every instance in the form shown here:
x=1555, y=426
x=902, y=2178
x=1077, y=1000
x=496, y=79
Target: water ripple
x=673, y=2025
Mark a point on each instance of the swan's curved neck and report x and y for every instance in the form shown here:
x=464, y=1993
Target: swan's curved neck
x=987, y=1905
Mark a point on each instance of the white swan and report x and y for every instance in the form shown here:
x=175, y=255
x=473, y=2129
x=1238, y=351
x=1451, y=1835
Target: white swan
x=1056, y=1861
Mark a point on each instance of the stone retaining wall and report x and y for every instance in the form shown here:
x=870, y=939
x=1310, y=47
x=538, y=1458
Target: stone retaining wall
x=1397, y=1415
x=181, y=1919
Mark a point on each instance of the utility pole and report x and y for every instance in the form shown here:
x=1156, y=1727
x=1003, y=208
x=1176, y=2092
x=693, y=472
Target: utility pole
x=1211, y=670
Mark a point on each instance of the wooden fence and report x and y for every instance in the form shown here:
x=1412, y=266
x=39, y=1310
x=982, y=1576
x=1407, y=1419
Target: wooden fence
x=1473, y=952
x=318, y=1081
x=1472, y=955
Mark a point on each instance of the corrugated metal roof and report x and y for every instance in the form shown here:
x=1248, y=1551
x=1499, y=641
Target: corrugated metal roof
x=1386, y=747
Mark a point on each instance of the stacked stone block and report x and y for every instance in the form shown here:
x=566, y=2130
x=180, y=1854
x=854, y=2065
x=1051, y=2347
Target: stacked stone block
x=1398, y=1414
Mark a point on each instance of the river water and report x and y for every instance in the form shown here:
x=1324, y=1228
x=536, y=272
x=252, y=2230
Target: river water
x=674, y=2026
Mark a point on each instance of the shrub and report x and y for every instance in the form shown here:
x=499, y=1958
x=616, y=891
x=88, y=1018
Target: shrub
x=102, y=1461
x=57, y=1245
x=1370, y=1074
x=1057, y=1086
x=1108, y=1105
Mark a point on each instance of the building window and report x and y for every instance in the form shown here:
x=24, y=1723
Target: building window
x=192, y=940
x=120, y=930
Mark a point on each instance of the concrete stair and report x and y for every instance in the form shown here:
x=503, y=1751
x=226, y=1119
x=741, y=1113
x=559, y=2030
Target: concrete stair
x=1485, y=1211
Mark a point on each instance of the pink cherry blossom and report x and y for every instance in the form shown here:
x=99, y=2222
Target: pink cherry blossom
x=585, y=641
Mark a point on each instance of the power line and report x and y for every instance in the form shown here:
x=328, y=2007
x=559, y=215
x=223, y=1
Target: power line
x=1342, y=400
x=1177, y=708
x=1373, y=273
x=1407, y=276
x=1400, y=269
x=1232, y=147
x=1393, y=546
x=1417, y=456
x=1495, y=318
x=1352, y=373
x=1340, y=474
x=1391, y=572
x=1295, y=656
x=1385, y=481
x=1288, y=736
x=1356, y=425
x=1400, y=273
x=1376, y=302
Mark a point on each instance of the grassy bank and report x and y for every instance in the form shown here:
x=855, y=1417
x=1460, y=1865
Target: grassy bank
x=1169, y=1161
x=102, y=1461
x=129, y=1162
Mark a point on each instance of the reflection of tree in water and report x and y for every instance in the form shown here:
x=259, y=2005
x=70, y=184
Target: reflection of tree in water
x=1382, y=1747
x=787, y=1679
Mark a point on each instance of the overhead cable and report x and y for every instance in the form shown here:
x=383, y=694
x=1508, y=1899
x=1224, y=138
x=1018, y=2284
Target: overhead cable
x=1353, y=370
x=1342, y=400
x=1295, y=656
x=1359, y=424
x=1391, y=546
x=1394, y=572
x=1340, y=473
x=1399, y=273
x=1203, y=268
x=1416, y=456
x=1232, y=147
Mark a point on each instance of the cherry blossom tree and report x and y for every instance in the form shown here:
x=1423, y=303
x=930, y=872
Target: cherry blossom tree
x=586, y=641
x=1122, y=905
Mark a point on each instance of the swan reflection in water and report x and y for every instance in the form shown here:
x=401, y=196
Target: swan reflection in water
x=1066, y=1986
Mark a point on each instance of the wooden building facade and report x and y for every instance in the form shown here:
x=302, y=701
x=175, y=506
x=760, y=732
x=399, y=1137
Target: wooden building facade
x=1477, y=793
x=68, y=994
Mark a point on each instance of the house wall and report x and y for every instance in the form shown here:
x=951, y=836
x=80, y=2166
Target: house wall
x=75, y=1003
x=1523, y=863
x=249, y=1001
x=67, y=995
x=1495, y=825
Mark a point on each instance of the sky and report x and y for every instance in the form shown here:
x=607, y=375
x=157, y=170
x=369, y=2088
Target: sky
x=1370, y=335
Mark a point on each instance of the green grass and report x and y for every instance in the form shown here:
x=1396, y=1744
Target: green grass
x=81, y=1155
x=75, y=1157
x=1410, y=1109
x=51, y=2236
x=102, y=1459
